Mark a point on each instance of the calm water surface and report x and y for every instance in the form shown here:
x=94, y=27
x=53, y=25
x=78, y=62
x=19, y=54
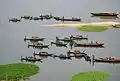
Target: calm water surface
x=12, y=45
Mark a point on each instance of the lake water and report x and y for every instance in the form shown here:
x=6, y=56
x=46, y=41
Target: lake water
x=12, y=45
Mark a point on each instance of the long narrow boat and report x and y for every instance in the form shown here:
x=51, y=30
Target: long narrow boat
x=38, y=45
x=42, y=54
x=34, y=38
x=65, y=39
x=107, y=60
x=65, y=19
x=31, y=59
x=14, y=20
x=88, y=45
x=26, y=17
x=106, y=14
x=78, y=37
x=59, y=44
x=75, y=52
x=61, y=56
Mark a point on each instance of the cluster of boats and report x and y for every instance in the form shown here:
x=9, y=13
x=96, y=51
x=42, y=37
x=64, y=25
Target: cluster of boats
x=47, y=17
x=57, y=18
x=68, y=56
x=61, y=42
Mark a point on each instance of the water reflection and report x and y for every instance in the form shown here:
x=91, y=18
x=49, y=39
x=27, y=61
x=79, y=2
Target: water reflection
x=106, y=17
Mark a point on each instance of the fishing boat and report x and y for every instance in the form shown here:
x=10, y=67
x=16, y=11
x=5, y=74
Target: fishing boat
x=38, y=45
x=78, y=37
x=71, y=19
x=65, y=39
x=14, y=20
x=65, y=19
x=106, y=14
x=107, y=60
x=42, y=54
x=76, y=52
x=58, y=43
x=47, y=16
x=31, y=59
x=33, y=38
x=88, y=44
x=26, y=17
x=62, y=56
x=35, y=18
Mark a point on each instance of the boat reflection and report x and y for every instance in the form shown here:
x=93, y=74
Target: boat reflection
x=106, y=17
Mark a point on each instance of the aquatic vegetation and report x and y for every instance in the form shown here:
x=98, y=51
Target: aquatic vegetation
x=17, y=71
x=93, y=28
x=90, y=76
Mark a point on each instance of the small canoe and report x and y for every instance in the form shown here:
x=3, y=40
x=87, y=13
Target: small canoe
x=31, y=59
x=66, y=39
x=38, y=45
x=78, y=37
x=88, y=45
x=59, y=44
x=107, y=60
x=34, y=38
x=42, y=54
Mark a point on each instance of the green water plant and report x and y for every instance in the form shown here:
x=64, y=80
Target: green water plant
x=91, y=28
x=90, y=76
x=18, y=71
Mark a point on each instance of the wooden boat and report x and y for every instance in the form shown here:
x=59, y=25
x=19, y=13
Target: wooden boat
x=58, y=43
x=65, y=39
x=47, y=16
x=77, y=37
x=42, y=54
x=61, y=56
x=75, y=52
x=38, y=45
x=65, y=19
x=33, y=38
x=26, y=17
x=14, y=20
x=88, y=44
x=106, y=14
x=31, y=59
x=107, y=60
x=35, y=18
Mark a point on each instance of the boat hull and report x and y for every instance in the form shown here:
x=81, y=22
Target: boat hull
x=88, y=45
x=107, y=61
x=103, y=14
